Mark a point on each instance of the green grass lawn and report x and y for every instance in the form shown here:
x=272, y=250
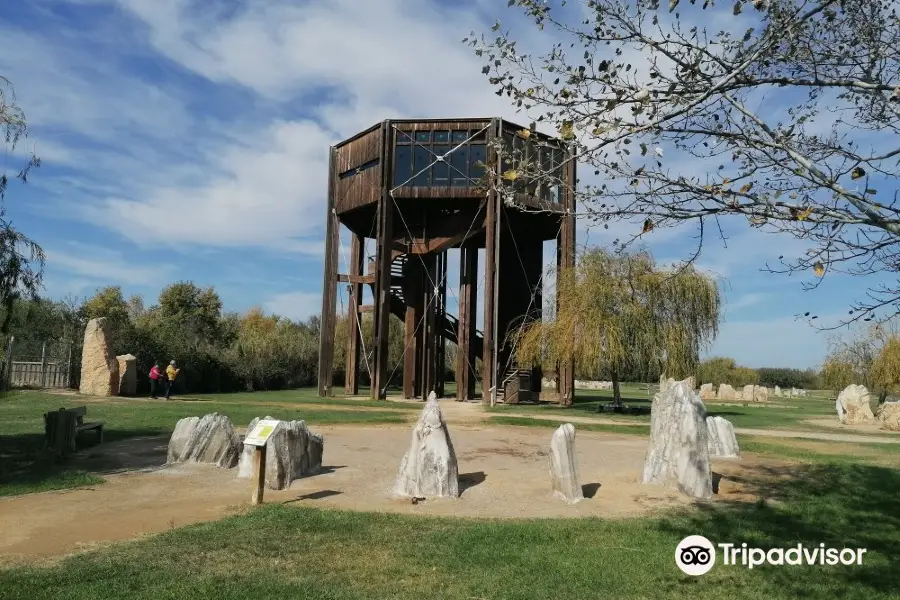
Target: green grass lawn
x=26, y=468
x=780, y=413
x=282, y=551
x=843, y=495
x=303, y=396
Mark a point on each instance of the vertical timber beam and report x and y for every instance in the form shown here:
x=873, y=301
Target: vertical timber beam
x=329, y=287
x=490, y=271
x=441, y=337
x=383, y=266
x=421, y=326
x=429, y=347
x=412, y=291
x=566, y=260
x=351, y=383
x=465, y=336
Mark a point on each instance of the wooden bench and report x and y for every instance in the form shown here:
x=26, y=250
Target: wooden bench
x=61, y=428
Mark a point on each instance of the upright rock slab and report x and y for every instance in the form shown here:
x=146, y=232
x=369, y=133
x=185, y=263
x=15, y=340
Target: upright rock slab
x=707, y=392
x=292, y=452
x=127, y=374
x=564, y=465
x=722, y=440
x=679, y=443
x=726, y=392
x=889, y=416
x=429, y=468
x=99, y=367
x=748, y=393
x=210, y=439
x=852, y=405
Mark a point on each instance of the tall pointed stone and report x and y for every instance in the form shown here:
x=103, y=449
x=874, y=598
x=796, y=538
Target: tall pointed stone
x=564, y=465
x=99, y=367
x=429, y=468
x=678, y=455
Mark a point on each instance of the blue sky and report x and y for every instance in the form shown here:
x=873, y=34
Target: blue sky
x=188, y=140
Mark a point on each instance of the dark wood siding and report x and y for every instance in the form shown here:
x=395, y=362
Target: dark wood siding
x=358, y=176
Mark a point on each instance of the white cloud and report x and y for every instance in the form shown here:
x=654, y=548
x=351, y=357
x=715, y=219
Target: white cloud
x=270, y=191
x=297, y=306
x=255, y=181
x=100, y=265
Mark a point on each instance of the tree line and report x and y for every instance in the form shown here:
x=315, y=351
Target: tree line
x=219, y=351
x=719, y=370
x=870, y=357
x=225, y=351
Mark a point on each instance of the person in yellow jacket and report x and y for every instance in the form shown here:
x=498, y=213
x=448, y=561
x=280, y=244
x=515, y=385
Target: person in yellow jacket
x=171, y=375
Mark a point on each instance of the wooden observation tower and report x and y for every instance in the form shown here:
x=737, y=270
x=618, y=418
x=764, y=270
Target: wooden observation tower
x=420, y=188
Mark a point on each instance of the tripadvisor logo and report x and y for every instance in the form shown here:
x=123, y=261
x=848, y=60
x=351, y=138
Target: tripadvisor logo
x=696, y=555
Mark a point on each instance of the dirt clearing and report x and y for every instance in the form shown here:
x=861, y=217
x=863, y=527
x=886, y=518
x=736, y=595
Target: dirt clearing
x=503, y=474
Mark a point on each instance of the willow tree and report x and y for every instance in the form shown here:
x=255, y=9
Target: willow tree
x=870, y=357
x=620, y=313
x=21, y=259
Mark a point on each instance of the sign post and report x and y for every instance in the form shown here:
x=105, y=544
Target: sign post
x=258, y=438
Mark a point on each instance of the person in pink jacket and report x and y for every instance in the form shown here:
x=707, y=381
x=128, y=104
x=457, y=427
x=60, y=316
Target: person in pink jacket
x=154, y=379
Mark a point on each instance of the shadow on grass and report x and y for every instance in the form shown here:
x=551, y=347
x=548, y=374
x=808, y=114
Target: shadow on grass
x=838, y=505
x=26, y=466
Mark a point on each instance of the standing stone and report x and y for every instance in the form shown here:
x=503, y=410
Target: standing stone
x=429, y=467
x=853, y=405
x=889, y=416
x=665, y=383
x=209, y=439
x=722, y=440
x=99, y=368
x=760, y=393
x=564, y=465
x=747, y=393
x=777, y=392
x=726, y=392
x=292, y=452
x=707, y=392
x=679, y=443
x=127, y=374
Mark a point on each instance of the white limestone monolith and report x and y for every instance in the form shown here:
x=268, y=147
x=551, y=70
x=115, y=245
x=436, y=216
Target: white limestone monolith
x=292, y=452
x=852, y=405
x=889, y=416
x=209, y=439
x=564, y=465
x=722, y=440
x=678, y=455
x=429, y=468
x=726, y=392
x=707, y=392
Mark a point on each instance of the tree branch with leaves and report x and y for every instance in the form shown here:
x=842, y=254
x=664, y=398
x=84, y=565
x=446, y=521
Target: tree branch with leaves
x=21, y=258
x=785, y=114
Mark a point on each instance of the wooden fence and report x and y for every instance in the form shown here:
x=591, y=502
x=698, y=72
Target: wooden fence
x=37, y=374
x=46, y=372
